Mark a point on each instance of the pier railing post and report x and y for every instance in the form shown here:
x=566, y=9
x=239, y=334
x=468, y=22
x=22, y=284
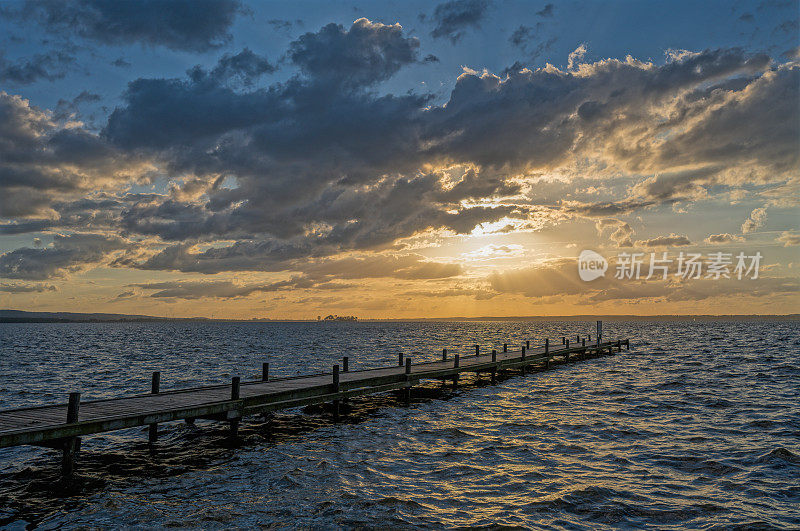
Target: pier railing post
x=155, y=385
x=236, y=382
x=345, y=364
x=456, y=364
x=547, y=353
x=335, y=387
x=71, y=444
x=400, y=359
x=264, y=372
x=505, y=347
x=522, y=355
x=528, y=344
x=407, y=390
x=477, y=350
x=444, y=354
x=494, y=368
x=566, y=356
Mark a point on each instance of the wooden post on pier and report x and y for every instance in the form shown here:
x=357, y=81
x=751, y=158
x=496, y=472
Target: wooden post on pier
x=345, y=364
x=407, y=390
x=71, y=444
x=264, y=372
x=563, y=340
x=235, y=393
x=546, y=353
x=583, y=344
x=335, y=389
x=494, y=367
x=477, y=350
x=155, y=384
x=578, y=338
x=505, y=347
x=599, y=331
x=566, y=356
x=456, y=364
x=528, y=344
x=522, y=369
x=444, y=354
x=400, y=359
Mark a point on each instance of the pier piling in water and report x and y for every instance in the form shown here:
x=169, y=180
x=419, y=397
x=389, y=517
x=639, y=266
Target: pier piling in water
x=265, y=372
x=234, y=415
x=155, y=384
x=71, y=445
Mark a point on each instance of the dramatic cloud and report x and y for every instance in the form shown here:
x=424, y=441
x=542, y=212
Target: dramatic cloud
x=673, y=240
x=546, y=11
x=49, y=66
x=26, y=288
x=192, y=25
x=216, y=289
x=723, y=238
x=755, y=221
x=453, y=17
x=243, y=68
x=363, y=55
x=554, y=278
x=67, y=254
x=789, y=238
x=325, y=176
x=42, y=160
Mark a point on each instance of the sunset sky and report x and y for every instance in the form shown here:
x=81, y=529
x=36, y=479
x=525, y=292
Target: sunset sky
x=395, y=159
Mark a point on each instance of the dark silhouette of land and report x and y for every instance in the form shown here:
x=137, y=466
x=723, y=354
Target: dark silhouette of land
x=20, y=316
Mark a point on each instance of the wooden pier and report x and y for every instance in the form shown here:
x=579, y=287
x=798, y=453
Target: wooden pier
x=61, y=426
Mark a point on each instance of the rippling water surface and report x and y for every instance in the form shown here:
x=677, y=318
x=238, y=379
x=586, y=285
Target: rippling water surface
x=698, y=426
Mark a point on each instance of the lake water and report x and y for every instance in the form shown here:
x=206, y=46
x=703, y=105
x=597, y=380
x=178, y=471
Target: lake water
x=698, y=426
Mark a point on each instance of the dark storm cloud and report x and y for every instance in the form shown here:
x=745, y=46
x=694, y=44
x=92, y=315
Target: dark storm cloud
x=191, y=25
x=243, y=68
x=453, y=17
x=120, y=63
x=50, y=66
x=364, y=54
x=67, y=254
x=42, y=161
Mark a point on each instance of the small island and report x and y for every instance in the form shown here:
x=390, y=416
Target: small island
x=337, y=318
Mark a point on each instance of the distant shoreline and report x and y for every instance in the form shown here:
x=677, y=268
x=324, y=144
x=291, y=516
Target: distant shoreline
x=19, y=316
